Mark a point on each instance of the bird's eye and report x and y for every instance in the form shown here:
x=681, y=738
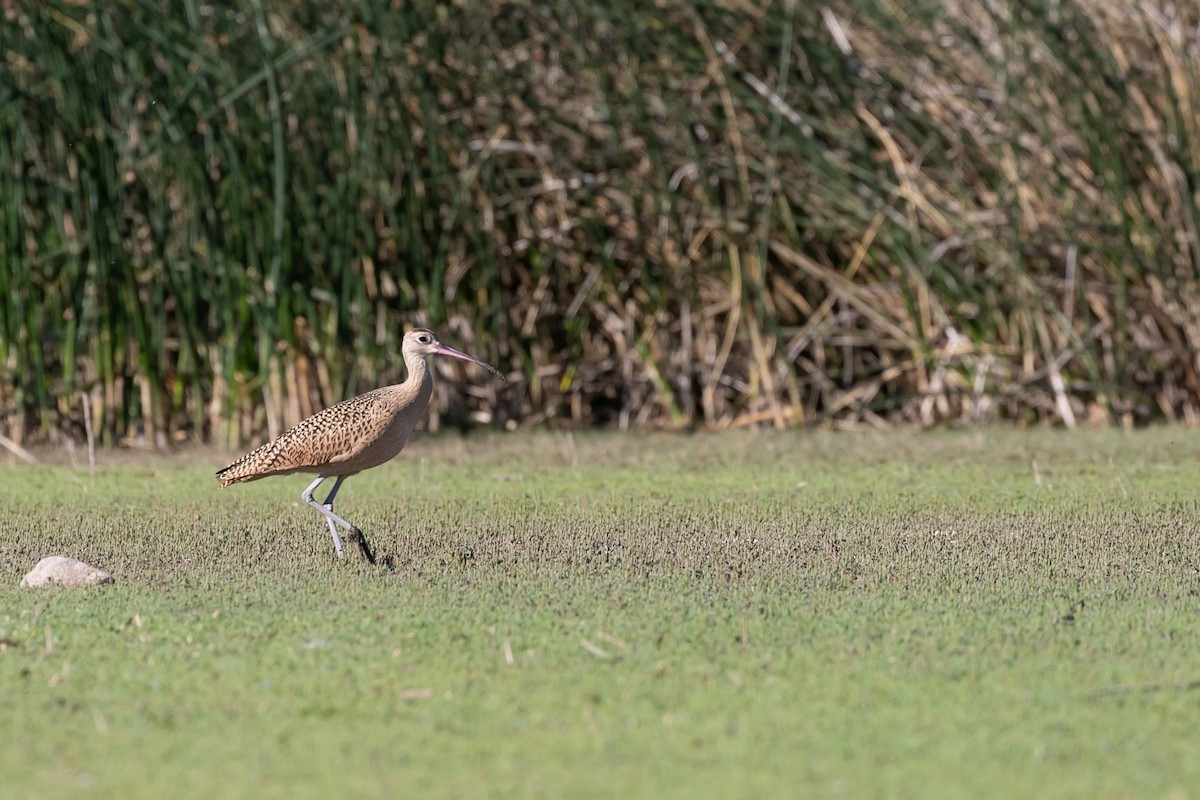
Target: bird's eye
x=423, y=339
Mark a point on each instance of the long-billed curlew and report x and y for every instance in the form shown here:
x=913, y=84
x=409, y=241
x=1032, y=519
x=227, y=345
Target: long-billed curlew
x=352, y=436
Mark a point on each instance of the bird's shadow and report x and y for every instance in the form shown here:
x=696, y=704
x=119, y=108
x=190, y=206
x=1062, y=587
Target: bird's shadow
x=388, y=562
x=364, y=547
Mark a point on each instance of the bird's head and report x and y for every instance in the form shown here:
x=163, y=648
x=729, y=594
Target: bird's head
x=420, y=343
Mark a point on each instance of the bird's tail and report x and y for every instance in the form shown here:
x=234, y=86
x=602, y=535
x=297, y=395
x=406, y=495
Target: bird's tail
x=246, y=468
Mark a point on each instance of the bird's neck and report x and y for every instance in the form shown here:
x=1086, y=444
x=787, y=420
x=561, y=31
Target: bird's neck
x=418, y=373
x=414, y=391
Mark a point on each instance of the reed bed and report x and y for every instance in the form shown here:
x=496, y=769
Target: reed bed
x=705, y=214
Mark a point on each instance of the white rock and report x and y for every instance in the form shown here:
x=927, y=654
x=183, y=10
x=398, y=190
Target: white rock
x=62, y=571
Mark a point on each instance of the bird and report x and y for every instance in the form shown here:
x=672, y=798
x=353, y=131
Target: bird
x=354, y=435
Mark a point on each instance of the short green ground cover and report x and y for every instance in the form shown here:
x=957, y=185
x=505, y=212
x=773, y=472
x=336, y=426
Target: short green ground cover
x=983, y=614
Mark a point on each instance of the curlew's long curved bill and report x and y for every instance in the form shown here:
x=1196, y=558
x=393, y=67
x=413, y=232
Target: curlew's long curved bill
x=443, y=350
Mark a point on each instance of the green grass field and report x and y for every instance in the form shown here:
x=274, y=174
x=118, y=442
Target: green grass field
x=995, y=614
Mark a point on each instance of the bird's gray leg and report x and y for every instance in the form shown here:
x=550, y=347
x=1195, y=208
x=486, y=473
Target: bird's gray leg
x=356, y=535
x=333, y=492
x=337, y=541
x=331, y=517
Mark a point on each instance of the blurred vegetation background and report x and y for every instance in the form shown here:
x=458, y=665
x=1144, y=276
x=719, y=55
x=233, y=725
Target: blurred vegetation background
x=217, y=220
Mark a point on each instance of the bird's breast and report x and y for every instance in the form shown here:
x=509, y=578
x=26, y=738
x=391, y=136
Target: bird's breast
x=386, y=437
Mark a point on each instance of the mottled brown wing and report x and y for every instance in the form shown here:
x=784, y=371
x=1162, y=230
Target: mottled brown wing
x=326, y=438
